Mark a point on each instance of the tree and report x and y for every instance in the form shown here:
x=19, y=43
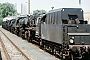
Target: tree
x=6, y=9
x=39, y=12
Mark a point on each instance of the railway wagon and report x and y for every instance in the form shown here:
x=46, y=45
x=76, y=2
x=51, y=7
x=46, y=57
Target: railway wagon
x=64, y=33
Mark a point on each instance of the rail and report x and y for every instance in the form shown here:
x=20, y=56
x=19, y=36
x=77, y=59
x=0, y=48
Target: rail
x=5, y=51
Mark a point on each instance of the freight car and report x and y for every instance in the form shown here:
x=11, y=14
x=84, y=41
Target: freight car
x=64, y=33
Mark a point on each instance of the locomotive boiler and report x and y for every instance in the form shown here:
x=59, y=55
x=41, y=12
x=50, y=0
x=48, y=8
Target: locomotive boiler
x=26, y=27
x=7, y=22
x=15, y=28
x=64, y=33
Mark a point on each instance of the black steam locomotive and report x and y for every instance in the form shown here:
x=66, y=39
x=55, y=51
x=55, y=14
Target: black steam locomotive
x=62, y=32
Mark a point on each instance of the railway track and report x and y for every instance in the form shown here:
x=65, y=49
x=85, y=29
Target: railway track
x=11, y=51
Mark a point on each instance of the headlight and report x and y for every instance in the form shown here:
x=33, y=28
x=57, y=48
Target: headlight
x=71, y=41
x=72, y=37
x=37, y=33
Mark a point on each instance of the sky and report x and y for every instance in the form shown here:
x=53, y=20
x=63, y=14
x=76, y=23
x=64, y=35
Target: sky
x=47, y=4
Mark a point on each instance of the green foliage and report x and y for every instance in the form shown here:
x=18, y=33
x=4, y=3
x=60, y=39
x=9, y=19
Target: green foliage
x=39, y=11
x=6, y=9
x=1, y=20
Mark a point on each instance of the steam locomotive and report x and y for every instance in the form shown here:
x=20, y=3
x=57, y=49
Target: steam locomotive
x=62, y=32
